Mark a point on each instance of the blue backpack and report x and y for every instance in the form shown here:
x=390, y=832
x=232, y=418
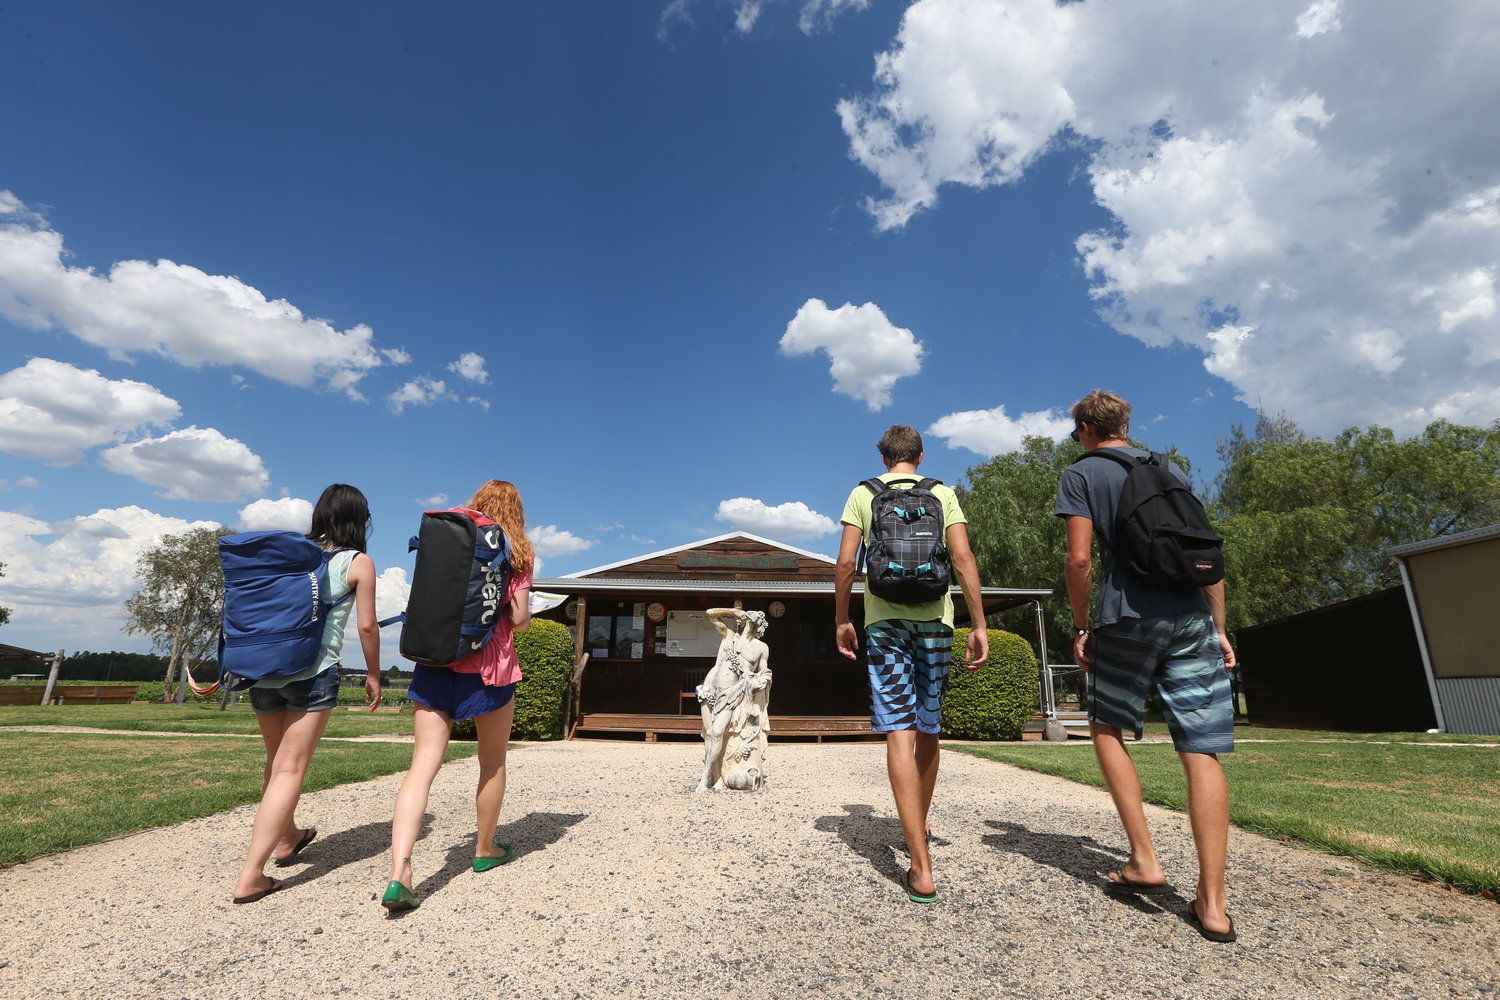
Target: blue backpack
x=275, y=605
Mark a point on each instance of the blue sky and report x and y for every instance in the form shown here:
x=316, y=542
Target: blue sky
x=673, y=267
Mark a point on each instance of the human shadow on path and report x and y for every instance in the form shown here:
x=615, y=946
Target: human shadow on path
x=531, y=833
x=1081, y=857
x=877, y=839
x=326, y=854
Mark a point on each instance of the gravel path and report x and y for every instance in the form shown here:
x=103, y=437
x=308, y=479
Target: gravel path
x=627, y=885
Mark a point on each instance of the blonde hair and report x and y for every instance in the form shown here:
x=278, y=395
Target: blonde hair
x=1105, y=412
x=500, y=501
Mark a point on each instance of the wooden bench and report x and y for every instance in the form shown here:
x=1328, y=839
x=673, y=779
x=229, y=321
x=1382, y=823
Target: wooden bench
x=92, y=694
x=22, y=694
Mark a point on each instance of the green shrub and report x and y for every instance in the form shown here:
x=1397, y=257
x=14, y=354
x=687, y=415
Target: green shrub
x=992, y=703
x=546, y=653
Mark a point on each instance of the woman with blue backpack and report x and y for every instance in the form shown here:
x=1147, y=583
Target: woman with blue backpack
x=480, y=686
x=293, y=710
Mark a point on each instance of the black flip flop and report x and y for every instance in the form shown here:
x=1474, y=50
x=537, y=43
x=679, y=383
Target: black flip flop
x=1125, y=884
x=291, y=859
x=276, y=886
x=1222, y=937
x=913, y=894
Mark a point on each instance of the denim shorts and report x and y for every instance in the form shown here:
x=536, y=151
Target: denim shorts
x=908, y=663
x=317, y=693
x=458, y=696
x=1181, y=656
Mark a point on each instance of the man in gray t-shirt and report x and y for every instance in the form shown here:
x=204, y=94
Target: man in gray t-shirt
x=1091, y=489
x=1140, y=635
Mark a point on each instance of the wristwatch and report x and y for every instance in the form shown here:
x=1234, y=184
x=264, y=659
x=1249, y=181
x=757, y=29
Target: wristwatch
x=1081, y=631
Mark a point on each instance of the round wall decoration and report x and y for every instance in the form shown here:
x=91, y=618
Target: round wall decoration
x=777, y=609
x=656, y=611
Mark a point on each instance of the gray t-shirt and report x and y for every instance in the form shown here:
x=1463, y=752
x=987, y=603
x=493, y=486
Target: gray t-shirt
x=1091, y=488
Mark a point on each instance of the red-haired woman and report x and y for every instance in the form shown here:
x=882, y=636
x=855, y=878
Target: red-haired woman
x=481, y=687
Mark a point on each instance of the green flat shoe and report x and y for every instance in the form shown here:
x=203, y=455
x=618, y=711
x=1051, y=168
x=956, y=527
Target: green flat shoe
x=398, y=897
x=485, y=864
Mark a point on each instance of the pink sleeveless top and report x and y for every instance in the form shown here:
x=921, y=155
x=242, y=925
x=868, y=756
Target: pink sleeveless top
x=497, y=664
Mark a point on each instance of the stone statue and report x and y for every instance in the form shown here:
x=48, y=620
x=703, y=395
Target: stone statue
x=734, y=699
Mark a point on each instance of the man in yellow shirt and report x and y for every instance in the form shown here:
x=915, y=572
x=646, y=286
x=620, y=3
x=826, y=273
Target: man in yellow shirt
x=910, y=649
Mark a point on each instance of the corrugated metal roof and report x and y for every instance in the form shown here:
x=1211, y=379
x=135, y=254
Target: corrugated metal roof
x=1445, y=541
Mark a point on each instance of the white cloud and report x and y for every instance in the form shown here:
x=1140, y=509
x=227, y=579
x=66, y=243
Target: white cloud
x=1325, y=231
x=66, y=581
x=483, y=404
x=197, y=463
x=424, y=390
x=438, y=501
x=867, y=352
x=172, y=310
x=392, y=591
x=813, y=15
x=991, y=432
x=25, y=482
x=51, y=411
x=789, y=520
x=470, y=366
x=822, y=13
x=282, y=514
x=550, y=540
x=746, y=13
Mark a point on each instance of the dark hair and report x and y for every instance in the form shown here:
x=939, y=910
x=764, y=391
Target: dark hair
x=901, y=444
x=341, y=518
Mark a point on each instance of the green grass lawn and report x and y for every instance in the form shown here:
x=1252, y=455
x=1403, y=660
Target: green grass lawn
x=190, y=718
x=65, y=790
x=1432, y=811
x=1244, y=731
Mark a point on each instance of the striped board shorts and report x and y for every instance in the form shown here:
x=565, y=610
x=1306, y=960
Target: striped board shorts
x=908, y=663
x=1181, y=656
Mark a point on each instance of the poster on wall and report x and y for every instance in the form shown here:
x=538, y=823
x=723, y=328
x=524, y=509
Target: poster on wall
x=690, y=633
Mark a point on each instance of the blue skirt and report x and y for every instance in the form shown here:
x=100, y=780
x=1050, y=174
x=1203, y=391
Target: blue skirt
x=456, y=695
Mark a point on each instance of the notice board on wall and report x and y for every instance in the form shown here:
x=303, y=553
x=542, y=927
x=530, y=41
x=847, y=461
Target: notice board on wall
x=690, y=633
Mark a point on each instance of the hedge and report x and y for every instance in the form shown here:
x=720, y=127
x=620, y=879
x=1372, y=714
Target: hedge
x=992, y=703
x=546, y=653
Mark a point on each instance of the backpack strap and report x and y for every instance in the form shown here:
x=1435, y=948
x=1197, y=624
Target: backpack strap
x=1128, y=461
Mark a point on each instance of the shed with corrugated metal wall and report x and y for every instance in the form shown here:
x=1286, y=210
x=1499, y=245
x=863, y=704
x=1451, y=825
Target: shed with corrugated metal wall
x=1453, y=590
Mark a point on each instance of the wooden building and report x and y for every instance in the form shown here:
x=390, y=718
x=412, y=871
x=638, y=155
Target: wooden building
x=642, y=640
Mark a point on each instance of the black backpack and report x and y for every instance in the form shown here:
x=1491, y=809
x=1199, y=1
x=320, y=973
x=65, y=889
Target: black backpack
x=1161, y=530
x=907, y=555
x=457, y=587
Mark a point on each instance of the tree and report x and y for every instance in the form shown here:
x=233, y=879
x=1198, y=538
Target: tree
x=180, y=599
x=1308, y=522
x=4, y=612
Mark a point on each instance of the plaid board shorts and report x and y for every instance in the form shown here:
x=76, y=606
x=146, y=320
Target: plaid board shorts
x=1181, y=655
x=908, y=663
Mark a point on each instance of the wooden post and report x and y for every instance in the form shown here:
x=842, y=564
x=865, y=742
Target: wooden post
x=52, y=677
x=580, y=660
